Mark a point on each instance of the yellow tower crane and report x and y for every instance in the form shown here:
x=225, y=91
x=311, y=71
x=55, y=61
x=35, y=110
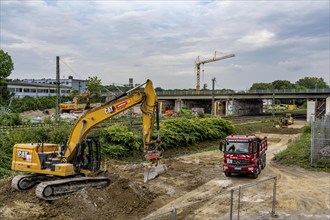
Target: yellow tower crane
x=198, y=63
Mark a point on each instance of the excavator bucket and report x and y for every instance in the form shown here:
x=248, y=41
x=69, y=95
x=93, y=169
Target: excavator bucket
x=152, y=173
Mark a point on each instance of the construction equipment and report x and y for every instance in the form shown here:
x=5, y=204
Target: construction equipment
x=73, y=105
x=64, y=169
x=289, y=118
x=198, y=63
x=244, y=155
x=169, y=113
x=286, y=121
x=292, y=107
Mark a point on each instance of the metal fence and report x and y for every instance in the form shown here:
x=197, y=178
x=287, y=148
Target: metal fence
x=320, y=142
x=251, y=201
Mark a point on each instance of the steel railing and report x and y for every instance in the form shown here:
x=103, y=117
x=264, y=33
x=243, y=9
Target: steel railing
x=221, y=92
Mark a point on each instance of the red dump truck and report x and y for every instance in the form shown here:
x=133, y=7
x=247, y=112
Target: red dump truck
x=244, y=155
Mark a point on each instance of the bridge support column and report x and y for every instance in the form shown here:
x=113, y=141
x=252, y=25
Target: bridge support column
x=220, y=107
x=311, y=109
x=178, y=105
x=327, y=107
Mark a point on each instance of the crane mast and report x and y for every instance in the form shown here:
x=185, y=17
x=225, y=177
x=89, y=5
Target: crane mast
x=198, y=66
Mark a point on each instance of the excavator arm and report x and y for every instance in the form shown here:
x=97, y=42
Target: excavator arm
x=149, y=103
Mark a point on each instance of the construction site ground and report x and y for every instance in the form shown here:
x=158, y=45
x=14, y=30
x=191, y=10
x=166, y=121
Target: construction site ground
x=300, y=194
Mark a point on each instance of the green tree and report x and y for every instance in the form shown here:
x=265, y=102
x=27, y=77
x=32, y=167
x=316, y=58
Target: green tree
x=158, y=89
x=262, y=86
x=204, y=86
x=6, y=67
x=94, y=85
x=282, y=84
x=311, y=83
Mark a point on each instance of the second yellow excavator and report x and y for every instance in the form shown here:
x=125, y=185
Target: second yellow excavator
x=74, y=106
x=59, y=170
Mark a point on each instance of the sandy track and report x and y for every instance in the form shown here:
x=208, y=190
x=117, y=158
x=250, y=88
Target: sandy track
x=301, y=194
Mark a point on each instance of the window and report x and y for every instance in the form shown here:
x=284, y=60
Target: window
x=52, y=91
x=42, y=90
x=33, y=90
x=19, y=89
x=26, y=90
x=238, y=147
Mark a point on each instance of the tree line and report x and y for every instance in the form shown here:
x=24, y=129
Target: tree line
x=305, y=83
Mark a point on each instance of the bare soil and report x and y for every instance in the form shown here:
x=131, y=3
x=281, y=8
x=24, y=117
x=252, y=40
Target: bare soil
x=300, y=194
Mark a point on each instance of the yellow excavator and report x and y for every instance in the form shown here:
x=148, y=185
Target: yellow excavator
x=284, y=122
x=73, y=105
x=62, y=169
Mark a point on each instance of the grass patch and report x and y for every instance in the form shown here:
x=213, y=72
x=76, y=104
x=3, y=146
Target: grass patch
x=251, y=128
x=298, y=153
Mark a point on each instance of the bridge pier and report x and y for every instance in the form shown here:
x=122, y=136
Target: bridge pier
x=244, y=107
x=178, y=104
x=317, y=108
x=327, y=108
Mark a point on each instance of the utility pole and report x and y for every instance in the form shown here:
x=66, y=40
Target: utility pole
x=212, y=107
x=198, y=66
x=130, y=111
x=273, y=109
x=57, y=88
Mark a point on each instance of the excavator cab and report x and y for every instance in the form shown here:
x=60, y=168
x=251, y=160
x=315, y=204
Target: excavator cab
x=88, y=156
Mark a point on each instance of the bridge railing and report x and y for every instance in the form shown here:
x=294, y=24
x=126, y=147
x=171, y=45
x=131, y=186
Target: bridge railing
x=218, y=92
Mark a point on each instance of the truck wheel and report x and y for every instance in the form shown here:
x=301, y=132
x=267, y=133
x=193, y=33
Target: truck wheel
x=264, y=161
x=228, y=174
x=255, y=175
x=263, y=164
x=257, y=172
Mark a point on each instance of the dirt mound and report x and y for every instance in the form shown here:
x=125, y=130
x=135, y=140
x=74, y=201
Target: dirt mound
x=278, y=130
x=123, y=199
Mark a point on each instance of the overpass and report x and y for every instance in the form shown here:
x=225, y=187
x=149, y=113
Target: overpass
x=242, y=102
x=254, y=94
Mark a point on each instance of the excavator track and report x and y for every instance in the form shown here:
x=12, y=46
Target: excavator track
x=52, y=190
x=25, y=182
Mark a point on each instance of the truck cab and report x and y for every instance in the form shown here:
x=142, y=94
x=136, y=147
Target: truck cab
x=244, y=155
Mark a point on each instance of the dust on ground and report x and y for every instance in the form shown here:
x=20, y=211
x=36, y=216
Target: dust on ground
x=38, y=113
x=301, y=194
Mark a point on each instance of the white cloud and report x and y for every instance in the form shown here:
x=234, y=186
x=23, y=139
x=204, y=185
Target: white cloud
x=257, y=38
x=117, y=40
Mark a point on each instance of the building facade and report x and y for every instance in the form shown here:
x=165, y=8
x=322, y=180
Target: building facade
x=76, y=84
x=21, y=89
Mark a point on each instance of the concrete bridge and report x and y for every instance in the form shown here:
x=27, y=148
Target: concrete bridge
x=254, y=94
x=244, y=102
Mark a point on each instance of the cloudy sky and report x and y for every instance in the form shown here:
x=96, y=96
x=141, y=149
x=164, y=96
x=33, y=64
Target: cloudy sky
x=160, y=40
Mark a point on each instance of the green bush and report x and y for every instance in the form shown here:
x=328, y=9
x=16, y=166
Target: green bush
x=176, y=132
x=119, y=140
x=11, y=119
x=28, y=103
